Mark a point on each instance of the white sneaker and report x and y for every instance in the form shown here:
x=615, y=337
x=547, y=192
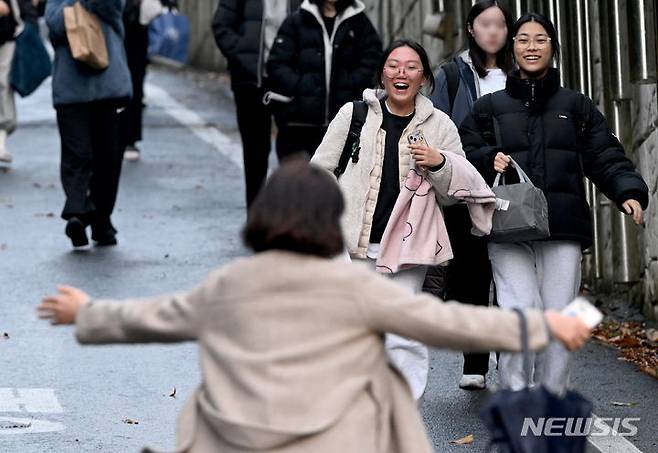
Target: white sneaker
x=472, y=382
x=5, y=156
x=131, y=153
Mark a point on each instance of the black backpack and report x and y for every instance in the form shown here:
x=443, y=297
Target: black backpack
x=452, y=80
x=353, y=141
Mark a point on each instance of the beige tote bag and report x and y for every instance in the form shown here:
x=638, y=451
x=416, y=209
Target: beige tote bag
x=85, y=35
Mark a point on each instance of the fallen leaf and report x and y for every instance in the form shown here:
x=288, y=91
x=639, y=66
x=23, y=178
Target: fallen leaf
x=50, y=214
x=628, y=342
x=652, y=335
x=464, y=440
x=173, y=393
x=617, y=403
x=130, y=421
x=653, y=372
x=36, y=185
x=5, y=336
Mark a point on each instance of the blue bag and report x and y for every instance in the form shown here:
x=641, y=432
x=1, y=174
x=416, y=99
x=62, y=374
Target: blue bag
x=169, y=36
x=507, y=412
x=31, y=64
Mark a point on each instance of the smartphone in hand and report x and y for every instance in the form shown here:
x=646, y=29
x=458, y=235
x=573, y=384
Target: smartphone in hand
x=583, y=309
x=417, y=138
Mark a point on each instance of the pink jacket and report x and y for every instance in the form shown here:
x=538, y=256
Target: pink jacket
x=416, y=232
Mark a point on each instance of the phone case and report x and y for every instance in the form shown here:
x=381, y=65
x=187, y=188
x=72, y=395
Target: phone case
x=417, y=138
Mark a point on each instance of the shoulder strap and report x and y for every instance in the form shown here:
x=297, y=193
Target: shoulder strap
x=487, y=121
x=452, y=80
x=584, y=119
x=352, y=143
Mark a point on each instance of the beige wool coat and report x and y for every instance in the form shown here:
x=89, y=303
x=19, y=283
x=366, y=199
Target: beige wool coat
x=360, y=182
x=292, y=353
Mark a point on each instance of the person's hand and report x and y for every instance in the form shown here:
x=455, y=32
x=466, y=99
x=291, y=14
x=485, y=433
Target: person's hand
x=4, y=9
x=425, y=156
x=572, y=332
x=501, y=162
x=63, y=307
x=634, y=208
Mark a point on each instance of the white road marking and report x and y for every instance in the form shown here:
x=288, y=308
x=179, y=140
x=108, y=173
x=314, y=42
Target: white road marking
x=190, y=119
x=29, y=400
x=613, y=443
x=10, y=426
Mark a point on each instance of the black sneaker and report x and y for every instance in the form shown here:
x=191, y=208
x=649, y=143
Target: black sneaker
x=75, y=230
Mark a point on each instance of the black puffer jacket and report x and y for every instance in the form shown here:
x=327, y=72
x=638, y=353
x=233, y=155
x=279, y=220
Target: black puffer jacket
x=238, y=30
x=556, y=135
x=297, y=66
x=31, y=12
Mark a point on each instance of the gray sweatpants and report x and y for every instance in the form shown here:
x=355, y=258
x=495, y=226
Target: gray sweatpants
x=536, y=274
x=7, y=105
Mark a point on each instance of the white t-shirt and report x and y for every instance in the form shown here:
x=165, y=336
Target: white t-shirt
x=494, y=81
x=274, y=13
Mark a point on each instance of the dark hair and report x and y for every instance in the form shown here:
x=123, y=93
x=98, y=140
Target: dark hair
x=504, y=57
x=341, y=5
x=416, y=47
x=297, y=210
x=548, y=26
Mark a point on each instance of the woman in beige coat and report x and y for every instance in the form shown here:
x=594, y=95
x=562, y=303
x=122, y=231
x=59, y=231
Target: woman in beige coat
x=292, y=350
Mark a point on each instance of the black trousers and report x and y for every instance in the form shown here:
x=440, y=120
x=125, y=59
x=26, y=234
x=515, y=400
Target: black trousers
x=468, y=277
x=296, y=140
x=255, y=124
x=136, y=43
x=92, y=153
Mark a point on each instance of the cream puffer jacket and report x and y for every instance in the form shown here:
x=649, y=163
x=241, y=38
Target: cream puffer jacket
x=360, y=182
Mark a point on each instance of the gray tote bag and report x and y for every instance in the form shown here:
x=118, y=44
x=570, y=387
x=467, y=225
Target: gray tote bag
x=521, y=210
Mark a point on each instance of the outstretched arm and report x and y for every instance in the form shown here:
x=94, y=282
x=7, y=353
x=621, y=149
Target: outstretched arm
x=167, y=318
x=389, y=308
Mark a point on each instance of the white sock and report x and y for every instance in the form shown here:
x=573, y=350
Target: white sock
x=3, y=140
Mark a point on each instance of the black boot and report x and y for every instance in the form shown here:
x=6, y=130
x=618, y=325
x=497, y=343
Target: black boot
x=76, y=231
x=103, y=233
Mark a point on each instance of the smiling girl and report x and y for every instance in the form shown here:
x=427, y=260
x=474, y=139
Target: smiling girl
x=557, y=136
x=372, y=186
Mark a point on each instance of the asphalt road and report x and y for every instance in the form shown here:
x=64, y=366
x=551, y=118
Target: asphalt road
x=179, y=213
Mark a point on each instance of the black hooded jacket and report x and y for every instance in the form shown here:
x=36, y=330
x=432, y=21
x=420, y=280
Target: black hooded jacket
x=557, y=136
x=238, y=30
x=298, y=65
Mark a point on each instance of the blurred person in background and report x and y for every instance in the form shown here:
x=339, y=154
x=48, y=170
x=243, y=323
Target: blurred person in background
x=11, y=25
x=136, y=42
x=244, y=31
x=325, y=55
x=90, y=104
